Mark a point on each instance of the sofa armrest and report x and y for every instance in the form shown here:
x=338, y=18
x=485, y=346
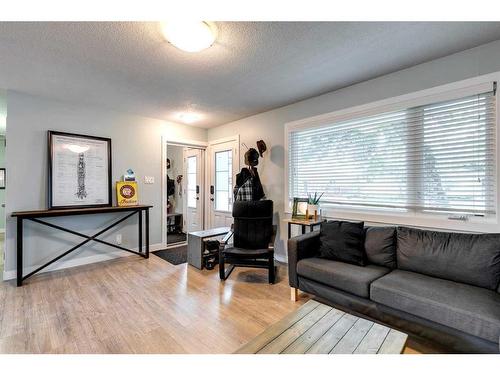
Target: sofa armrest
x=300, y=247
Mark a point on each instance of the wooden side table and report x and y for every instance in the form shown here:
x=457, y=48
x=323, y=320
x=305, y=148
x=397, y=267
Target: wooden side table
x=303, y=223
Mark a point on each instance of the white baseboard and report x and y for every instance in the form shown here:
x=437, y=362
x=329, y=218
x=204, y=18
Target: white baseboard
x=62, y=264
x=2, y=230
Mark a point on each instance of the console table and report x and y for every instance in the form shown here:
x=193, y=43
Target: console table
x=35, y=216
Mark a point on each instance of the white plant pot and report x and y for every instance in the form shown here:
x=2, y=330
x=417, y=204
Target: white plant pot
x=312, y=208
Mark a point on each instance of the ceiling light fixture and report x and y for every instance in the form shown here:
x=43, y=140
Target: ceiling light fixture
x=188, y=117
x=190, y=36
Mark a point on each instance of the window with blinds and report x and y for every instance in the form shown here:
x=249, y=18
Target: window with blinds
x=438, y=157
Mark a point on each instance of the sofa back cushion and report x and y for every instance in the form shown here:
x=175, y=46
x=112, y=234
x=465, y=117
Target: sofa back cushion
x=380, y=246
x=343, y=241
x=468, y=258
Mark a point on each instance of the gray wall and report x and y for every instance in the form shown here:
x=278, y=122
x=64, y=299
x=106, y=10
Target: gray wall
x=270, y=125
x=136, y=144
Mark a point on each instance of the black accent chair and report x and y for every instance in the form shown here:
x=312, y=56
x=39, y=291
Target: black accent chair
x=253, y=235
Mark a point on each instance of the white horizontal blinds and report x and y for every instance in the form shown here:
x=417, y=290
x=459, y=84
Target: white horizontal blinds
x=458, y=156
x=437, y=157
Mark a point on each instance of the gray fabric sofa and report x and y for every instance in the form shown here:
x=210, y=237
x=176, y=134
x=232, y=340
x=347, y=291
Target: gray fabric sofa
x=440, y=286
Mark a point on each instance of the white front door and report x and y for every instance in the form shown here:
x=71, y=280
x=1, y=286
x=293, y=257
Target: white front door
x=224, y=165
x=193, y=192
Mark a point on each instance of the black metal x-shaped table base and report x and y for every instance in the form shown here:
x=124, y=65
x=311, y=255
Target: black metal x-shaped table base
x=21, y=278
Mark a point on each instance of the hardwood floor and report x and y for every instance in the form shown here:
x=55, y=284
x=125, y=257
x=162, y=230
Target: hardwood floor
x=133, y=305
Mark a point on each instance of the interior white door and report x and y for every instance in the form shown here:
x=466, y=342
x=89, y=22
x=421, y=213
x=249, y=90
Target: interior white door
x=224, y=164
x=193, y=192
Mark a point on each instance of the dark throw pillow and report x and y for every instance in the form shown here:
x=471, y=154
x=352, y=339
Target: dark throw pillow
x=343, y=241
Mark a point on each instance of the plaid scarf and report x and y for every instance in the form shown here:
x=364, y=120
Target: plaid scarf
x=245, y=191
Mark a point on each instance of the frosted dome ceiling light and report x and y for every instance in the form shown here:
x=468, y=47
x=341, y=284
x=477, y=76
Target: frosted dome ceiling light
x=190, y=36
x=189, y=117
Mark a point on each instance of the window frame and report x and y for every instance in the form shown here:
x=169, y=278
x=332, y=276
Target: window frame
x=388, y=216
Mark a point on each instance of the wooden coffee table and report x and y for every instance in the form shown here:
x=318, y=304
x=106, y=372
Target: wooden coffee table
x=316, y=328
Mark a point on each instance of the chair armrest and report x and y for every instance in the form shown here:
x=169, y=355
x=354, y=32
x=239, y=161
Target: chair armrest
x=300, y=247
x=225, y=240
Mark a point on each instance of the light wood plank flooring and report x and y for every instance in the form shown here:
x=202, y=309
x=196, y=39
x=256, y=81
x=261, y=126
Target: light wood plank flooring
x=133, y=305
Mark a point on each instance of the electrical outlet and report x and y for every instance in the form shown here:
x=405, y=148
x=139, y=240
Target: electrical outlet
x=149, y=180
x=118, y=239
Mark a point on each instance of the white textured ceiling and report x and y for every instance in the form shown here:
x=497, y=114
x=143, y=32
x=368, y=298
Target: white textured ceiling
x=253, y=66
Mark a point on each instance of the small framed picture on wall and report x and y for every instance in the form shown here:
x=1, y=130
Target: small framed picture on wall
x=79, y=171
x=2, y=178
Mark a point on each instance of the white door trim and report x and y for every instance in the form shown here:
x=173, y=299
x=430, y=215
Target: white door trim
x=176, y=142
x=233, y=138
x=200, y=155
x=209, y=165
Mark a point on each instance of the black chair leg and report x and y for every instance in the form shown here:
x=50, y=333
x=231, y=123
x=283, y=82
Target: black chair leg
x=272, y=270
x=222, y=267
x=223, y=273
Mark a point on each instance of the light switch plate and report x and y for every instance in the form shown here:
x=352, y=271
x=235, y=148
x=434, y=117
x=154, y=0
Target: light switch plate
x=149, y=180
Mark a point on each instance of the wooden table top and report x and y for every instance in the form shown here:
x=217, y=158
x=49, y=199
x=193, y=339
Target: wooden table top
x=304, y=221
x=316, y=328
x=210, y=232
x=78, y=211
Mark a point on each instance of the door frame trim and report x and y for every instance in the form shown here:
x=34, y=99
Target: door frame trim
x=208, y=166
x=201, y=195
x=203, y=145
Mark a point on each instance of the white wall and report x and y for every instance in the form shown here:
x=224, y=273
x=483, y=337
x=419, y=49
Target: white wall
x=270, y=125
x=136, y=144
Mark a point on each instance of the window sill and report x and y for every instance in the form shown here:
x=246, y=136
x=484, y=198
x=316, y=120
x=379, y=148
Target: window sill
x=420, y=220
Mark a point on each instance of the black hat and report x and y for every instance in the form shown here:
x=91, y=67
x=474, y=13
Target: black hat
x=261, y=146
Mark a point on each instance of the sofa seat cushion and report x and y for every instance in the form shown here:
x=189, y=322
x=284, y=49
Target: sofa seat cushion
x=466, y=308
x=344, y=276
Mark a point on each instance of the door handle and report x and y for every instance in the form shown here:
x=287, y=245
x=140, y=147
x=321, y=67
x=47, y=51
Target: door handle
x=197, y=189
x=212, y=199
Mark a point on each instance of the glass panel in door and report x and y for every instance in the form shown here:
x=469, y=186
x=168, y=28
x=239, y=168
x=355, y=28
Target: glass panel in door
x=223, y=180
x=191, y=181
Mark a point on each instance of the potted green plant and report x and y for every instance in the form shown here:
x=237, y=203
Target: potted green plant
x=313, y=204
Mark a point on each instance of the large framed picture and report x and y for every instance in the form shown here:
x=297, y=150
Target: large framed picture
x=79, y=171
